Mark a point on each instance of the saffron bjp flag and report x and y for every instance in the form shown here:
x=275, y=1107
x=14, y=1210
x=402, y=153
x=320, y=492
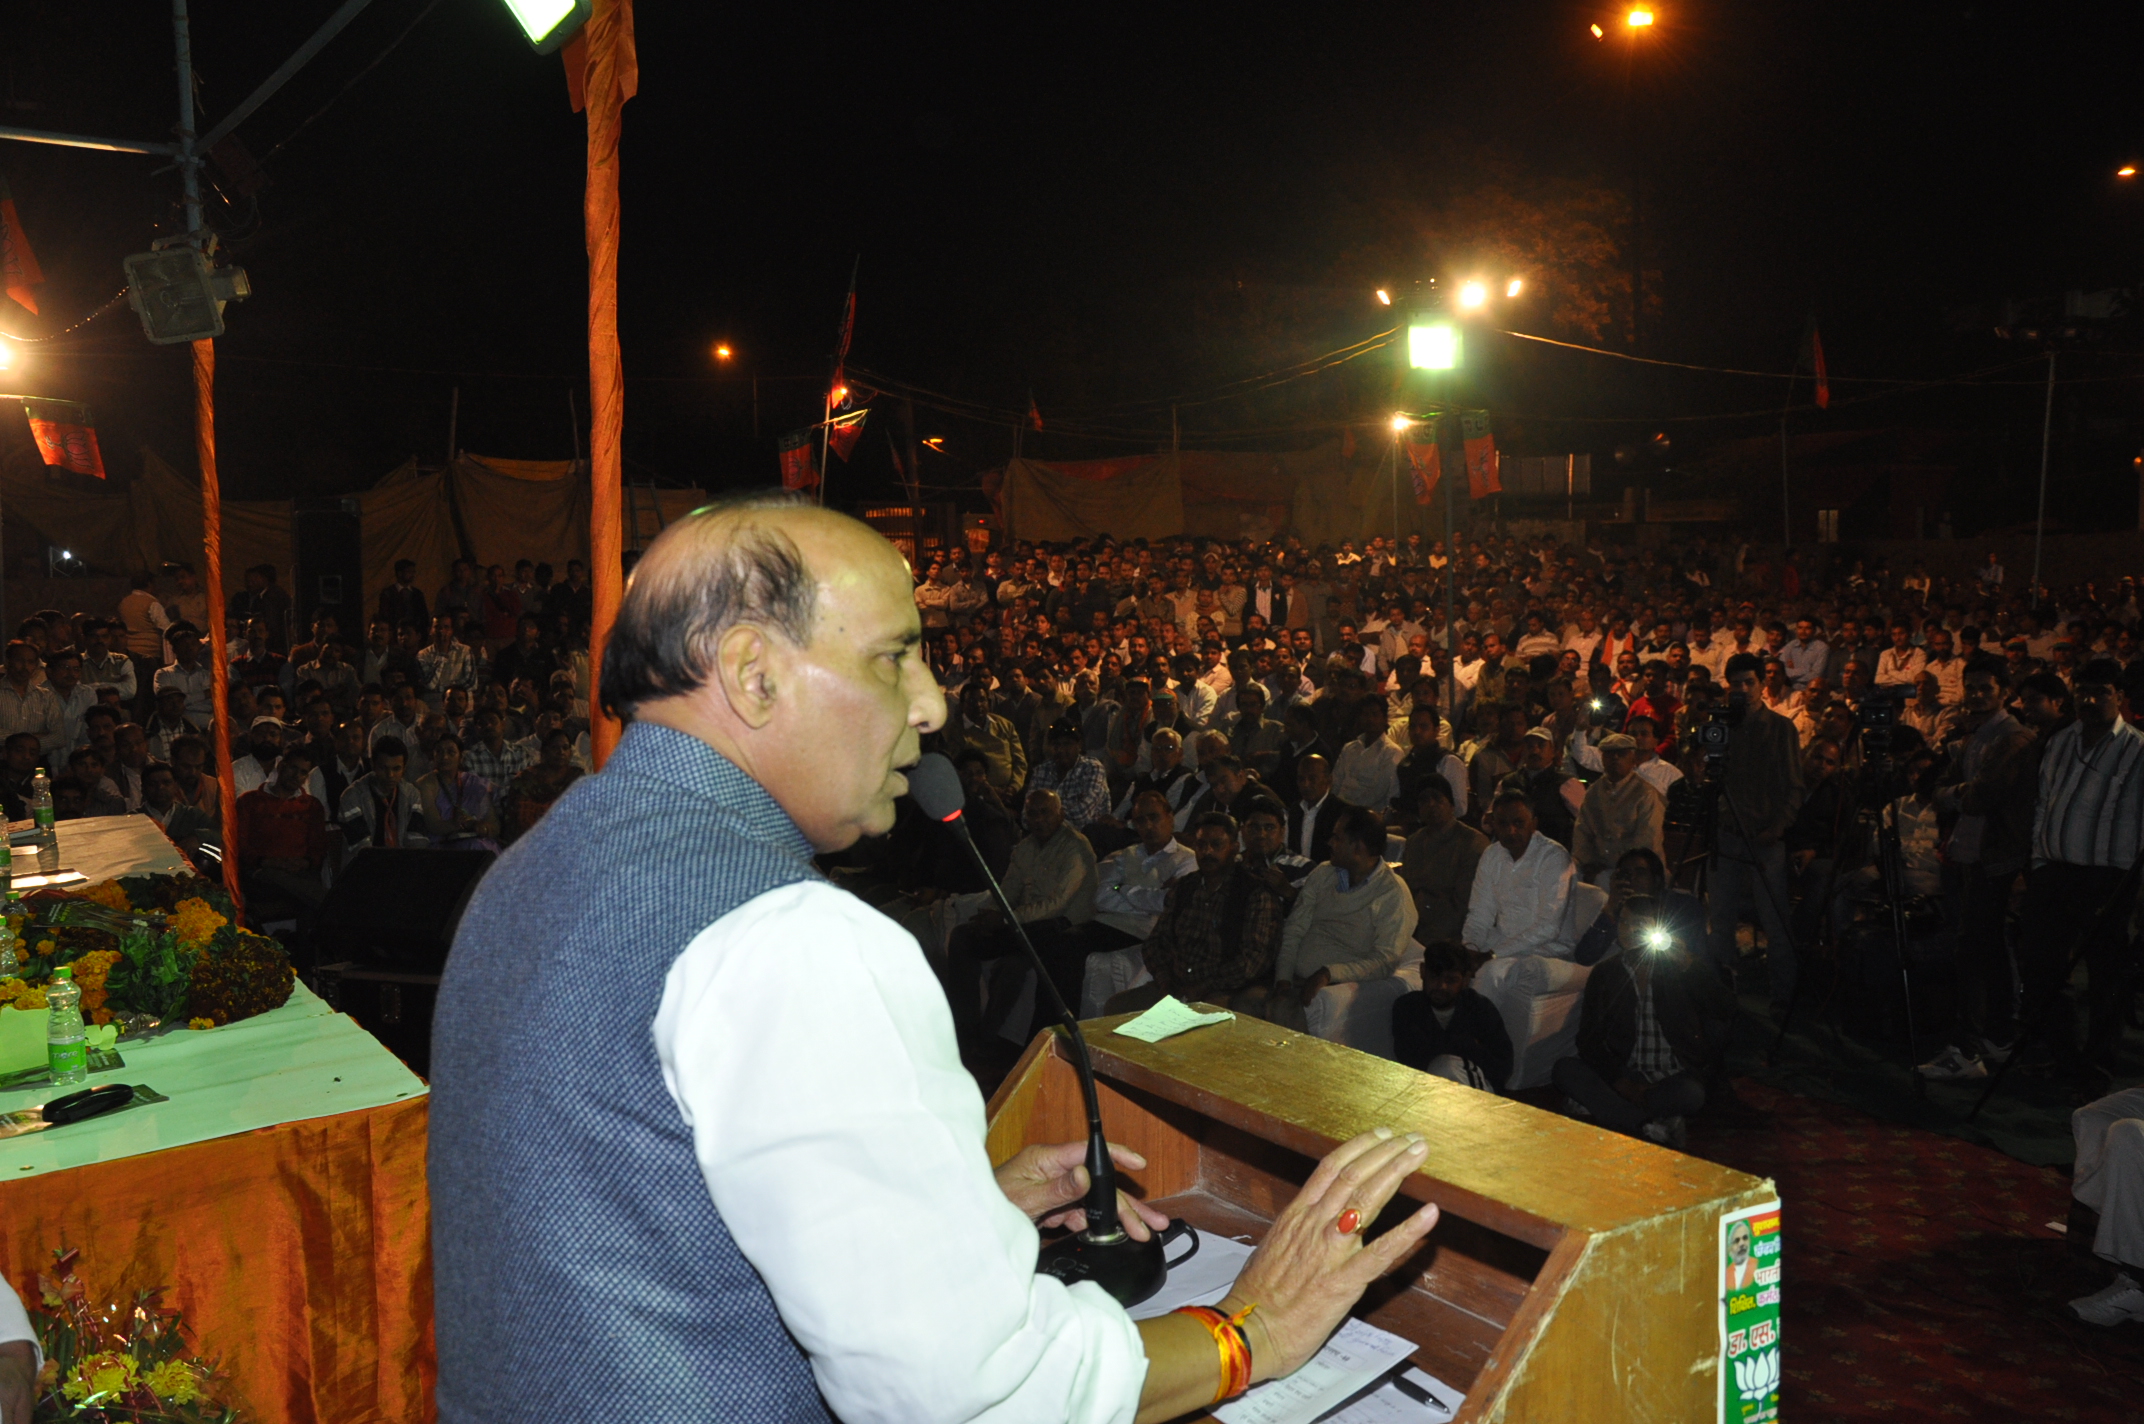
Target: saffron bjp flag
x=797, y=465
x=1483, y=479
x=19, y=271
x=1425, y=456
x=844, y=431
x=65, y=435
x=1815, y=356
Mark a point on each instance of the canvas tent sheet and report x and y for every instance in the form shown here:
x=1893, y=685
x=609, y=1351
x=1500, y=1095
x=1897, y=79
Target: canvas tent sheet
x=1324, y=496
x=495, y=511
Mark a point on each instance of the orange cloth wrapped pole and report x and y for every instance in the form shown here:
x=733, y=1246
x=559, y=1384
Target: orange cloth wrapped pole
x=218, y=645
x=609, y=72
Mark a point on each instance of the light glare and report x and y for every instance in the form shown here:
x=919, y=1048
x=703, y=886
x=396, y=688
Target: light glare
x=1473, y=294
x=2127, y=170
x=1514, y=287
x=1433, y=348
x=1598, y=32
x=1384, y=296
x=722, y=351
x=1400, y=423
x=1638, y=19
x=538, y=18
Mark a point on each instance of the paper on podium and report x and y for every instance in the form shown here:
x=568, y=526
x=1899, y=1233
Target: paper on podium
x=1167, y=1019
x=1202, y=1280
x=1350, y=1362
x=1412, y=1397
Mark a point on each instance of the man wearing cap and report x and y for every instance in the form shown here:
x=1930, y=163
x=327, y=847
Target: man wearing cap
x=1555, y=794
x=252, y=770
x=1621, y=813
x=187, y=672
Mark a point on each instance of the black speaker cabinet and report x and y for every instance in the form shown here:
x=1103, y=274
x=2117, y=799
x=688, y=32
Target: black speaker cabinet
x=398, y=909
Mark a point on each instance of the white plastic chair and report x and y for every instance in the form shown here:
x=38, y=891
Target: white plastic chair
x=1360, y=1015
x=1538, y=994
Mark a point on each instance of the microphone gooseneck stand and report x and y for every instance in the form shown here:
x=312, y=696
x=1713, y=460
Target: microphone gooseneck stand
x=1104, y=1252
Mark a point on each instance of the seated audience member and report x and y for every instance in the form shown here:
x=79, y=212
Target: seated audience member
x=70, y=799
x=1647, y=1030
x=1439, y=862
x=1366, y=773
x=1255, y=739
x=1131, y=890
x=490, y=754
x=251, y=771
x=100, y=797
x=195, y=781
x=976, y=724
x=536, y=789
x=63, y=674
x=170, y=722
x=1554, y=793
x=187, y=827
x=1303, y=740
x=1351, y=922
x=380, y=808
x=1426, y=758
x=1264, y=825
x=1447, y=1029
x=1522, y=886
x=1219, y=934
x=1166, y=772
x=130, y=758
x=2109, y=1179
x=1316, y=810
x=1640, y=873
x=1622, y=812
x=1222, y=780
x=1050, y=882
x=282, y=833
x=1081, y=785
x=458, y=807
x=1659, y=774
x=24, y=755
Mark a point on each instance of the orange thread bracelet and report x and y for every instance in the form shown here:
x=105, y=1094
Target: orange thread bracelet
x=1230, y=1342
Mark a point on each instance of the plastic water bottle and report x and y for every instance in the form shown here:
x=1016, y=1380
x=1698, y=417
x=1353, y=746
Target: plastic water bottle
x=66, y=1046
x=48, y=838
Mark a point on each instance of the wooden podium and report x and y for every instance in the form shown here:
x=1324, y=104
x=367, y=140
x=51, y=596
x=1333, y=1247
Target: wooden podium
x=1575, y=1273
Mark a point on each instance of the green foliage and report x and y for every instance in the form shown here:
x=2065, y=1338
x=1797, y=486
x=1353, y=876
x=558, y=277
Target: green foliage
x=151, y=976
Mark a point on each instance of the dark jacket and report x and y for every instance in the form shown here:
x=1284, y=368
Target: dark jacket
x=1683, y=1001
x=1764, y=775
x=1282, y=781
x=1476, y=1033
x=1822, y=817
x=1321, y=831
x=1544, y=792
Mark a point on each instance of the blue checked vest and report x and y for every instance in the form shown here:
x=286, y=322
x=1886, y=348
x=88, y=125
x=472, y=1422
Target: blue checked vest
x=581, y=1270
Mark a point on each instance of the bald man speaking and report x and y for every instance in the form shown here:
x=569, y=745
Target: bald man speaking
x=701, y=1144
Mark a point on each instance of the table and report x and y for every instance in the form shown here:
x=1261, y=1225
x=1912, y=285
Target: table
x=279, y=1195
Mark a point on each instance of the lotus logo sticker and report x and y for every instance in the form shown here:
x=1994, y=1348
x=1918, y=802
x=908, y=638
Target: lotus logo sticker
x=1751, y=1362
x=1757, y=1377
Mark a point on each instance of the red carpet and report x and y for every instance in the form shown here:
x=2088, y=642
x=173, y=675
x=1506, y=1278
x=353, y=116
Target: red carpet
x=1922, y=1280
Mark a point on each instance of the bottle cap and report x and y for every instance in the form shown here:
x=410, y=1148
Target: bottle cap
x=65, y=971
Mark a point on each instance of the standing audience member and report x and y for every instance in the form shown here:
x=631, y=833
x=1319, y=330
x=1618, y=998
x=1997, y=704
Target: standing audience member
x=1761, y=794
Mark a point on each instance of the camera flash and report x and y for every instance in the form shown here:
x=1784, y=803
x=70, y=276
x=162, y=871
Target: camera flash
x=1658, y=939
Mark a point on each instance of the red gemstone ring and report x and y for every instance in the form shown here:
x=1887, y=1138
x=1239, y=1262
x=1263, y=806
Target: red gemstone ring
x=1349, y=1222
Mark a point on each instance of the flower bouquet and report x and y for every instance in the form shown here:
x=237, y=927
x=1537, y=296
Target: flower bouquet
x=116, y=1364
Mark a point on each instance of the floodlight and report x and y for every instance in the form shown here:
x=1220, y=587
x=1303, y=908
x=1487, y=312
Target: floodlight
x=1400, y=422
x=180, y=295
x=548, y=24
x=1434, y=347
x=1473, y=294
x=1598, y=32
x=1638, y=19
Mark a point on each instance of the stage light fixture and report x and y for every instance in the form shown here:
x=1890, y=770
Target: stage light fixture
x=1434, y=347
x=1638, y=19
x=548, y=24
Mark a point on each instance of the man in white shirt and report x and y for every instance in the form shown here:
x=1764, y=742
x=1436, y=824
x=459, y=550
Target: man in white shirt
x=188, y=673
x=1522, y=886
x=27, y=705
x=101, y=667
x=1900, y=664
x=251, y=771
x=1131, y=890
x=1351, y=922
x=1366, y=772
x=63, y=674
x=797, y=1059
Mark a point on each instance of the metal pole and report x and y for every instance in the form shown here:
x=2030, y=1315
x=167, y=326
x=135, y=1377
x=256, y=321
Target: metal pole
x=454, y=417
x=1395, y=490
x=2039, y=521
x=1451, y=583
x=1570, y=484
x=189, y=164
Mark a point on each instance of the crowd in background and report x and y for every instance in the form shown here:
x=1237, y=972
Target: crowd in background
x=1245, y=771
x=448, y=720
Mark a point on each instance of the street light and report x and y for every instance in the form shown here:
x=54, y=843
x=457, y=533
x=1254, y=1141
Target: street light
x=722, y=351
x=1514, y=287
x=1598, y=32
x=548, y=24
x=1473, y=294
x=1638, y=19
x=2127, y=170
x=1384, y=296
x=1433, y=347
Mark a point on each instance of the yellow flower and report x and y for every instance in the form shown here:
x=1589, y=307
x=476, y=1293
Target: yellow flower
x=108, y=894
x=106, y=1375
x=176, y=1381
x=45, y=947
x=200, y=1023
x=34, y=999
x=196, y=922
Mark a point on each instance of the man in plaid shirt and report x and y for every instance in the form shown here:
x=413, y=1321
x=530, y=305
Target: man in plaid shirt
x=446, y=662
x=491, y=756
x=1079, y=781
x=1220, y=932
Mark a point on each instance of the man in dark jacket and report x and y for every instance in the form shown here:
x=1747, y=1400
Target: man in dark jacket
x=1447, y=1029
x=1648, y=1027
x=1763, y=791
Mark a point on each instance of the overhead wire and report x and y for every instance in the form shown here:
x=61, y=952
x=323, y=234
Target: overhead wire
x=351, y=83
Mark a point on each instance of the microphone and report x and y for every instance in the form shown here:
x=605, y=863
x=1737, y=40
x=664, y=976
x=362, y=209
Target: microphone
x=1104, y=1252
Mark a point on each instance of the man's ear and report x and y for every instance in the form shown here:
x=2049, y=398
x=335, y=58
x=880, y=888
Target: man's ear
x=745, y=669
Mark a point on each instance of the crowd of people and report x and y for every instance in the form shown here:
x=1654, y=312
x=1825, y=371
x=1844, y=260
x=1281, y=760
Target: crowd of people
x=1244, y=772
x=449, y=721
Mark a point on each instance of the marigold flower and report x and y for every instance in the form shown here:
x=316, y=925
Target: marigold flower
x=176, y=1381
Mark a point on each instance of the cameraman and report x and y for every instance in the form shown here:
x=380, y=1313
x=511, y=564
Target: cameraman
x=1643, y=1042
x=1760, y=781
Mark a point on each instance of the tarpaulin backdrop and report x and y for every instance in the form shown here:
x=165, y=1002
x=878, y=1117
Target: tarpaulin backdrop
x=1324, y=495
x=507, y=509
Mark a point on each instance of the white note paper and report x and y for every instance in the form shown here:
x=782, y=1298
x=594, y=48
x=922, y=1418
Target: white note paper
x=1389, y=1403
x=1356, y=1355
x=1168, y=1018
x=1202, y=1280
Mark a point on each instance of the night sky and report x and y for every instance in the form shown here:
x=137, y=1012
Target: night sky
x=1104, y=207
